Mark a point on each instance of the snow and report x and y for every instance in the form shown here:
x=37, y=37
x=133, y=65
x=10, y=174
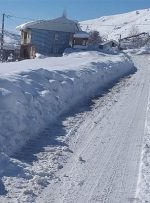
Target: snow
x=80, y=47
x=81, y=35
x=34, y=94
x=143, y=187
x=40, y=56
x=11, y=39
x=106, y=143
x=120, y=24
x=28, y=24
x=57, y=24
x=143, y=50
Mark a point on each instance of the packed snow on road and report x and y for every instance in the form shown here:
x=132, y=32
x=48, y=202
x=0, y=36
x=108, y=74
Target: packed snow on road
x=44, y=104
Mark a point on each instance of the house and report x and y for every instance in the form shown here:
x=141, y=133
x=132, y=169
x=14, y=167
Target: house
x=80, y=40
x=109, y=46
x=47, y=37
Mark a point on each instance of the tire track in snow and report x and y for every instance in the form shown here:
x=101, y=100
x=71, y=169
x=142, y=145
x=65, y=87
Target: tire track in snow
x=85, y=149
x=109, y=99
x=118, y=145
x=109, y=187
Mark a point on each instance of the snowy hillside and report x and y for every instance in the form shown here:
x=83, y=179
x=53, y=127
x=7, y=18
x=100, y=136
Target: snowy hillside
x=10, y=39
x=113, y=26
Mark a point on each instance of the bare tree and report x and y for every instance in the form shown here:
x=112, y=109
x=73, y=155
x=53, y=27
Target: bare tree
x=94, y=38
x=104, y=38
x=135, y=40
x=134, y=31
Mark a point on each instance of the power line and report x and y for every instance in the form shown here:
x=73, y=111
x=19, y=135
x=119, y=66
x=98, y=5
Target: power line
x=22, y=18
x=31, y=19
x=12, y=20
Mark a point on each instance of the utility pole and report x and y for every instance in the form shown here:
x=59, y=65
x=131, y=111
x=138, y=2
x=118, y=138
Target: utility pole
x=2, y=38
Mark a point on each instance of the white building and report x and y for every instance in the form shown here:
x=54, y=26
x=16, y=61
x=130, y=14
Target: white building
x=109, y=46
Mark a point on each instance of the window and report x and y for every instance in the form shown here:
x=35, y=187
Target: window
x=84, y=43
x=113, y=44
x=56, y=37
x=25, y=37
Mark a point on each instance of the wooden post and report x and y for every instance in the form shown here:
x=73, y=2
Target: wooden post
x=119, y=42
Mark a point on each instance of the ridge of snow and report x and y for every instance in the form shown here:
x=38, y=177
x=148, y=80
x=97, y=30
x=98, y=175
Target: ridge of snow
x=34, y=94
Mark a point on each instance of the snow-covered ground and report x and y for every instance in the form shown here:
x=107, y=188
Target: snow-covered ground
x=143, y=187
x=106, y=146
x=120, y=24
x=34, y=94
x=145, y=50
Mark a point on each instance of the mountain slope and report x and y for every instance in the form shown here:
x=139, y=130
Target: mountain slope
x=10, y=39
x=113, y=26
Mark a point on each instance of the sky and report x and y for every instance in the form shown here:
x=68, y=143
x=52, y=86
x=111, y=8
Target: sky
x=27, y=10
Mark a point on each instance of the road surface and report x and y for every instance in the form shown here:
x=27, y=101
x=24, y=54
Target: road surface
x=106, y=141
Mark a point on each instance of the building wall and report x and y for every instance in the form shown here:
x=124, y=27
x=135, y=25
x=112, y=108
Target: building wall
x=27, y=51
x=109, y=48
x=26, y=36
x=80, y=41
x=50, y=42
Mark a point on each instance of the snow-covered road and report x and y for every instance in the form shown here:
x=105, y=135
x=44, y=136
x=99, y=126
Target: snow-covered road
x=106, y=145
x=92, y=154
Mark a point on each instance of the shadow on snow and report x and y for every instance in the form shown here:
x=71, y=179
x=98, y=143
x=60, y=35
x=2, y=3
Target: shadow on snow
x=49, y=136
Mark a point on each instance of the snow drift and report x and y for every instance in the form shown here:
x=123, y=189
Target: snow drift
x=34, y=93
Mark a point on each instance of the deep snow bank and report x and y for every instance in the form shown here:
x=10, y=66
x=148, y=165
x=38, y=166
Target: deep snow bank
x=32, y=99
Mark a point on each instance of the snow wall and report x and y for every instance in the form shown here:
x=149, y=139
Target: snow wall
x=32, y=100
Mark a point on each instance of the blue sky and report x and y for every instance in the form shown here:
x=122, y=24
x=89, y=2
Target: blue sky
x=76, y=9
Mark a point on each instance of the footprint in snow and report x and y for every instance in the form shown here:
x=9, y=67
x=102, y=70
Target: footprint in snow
x=81, y=159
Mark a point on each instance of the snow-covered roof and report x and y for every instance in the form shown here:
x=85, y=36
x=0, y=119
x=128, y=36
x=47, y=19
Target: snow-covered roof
x=108, y=42
x=59, y=24
x=81, y=34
